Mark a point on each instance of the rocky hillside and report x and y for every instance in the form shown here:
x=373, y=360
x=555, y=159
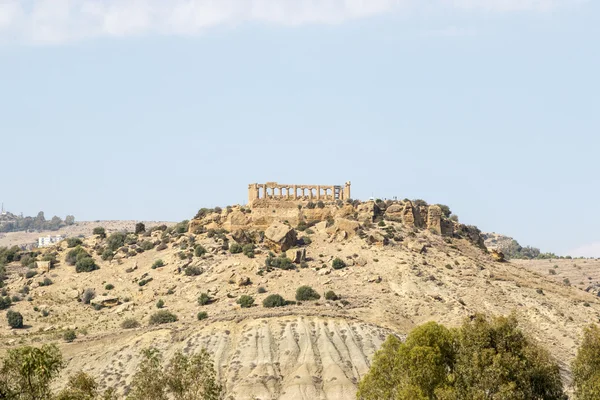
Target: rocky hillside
x=397, y=265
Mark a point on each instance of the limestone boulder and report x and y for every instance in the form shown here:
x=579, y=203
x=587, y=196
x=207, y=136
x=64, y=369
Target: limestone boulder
x=105, y=301
x=394, y=213
x=236, y=220
x=343, y=228
x=241, y=236
x=243, y=281
x=408, y=215
x=280, y=237
x=43, y=266
x=366, y=211
x=434, y=219
x=375, y=237
x=296, y=255
x=344, y=212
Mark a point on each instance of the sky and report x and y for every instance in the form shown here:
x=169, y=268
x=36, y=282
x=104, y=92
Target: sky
x=151, y=109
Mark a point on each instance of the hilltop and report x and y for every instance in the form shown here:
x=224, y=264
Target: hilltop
x=393, y=264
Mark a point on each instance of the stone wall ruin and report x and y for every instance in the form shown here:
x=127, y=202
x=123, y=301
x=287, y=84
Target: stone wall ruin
x=276, y=191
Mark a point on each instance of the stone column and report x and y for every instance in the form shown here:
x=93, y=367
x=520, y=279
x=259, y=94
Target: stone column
x=318, y=192
x=295, y=192
x=346, y=193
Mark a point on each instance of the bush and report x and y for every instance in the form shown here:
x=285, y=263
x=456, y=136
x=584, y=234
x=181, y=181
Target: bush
x=204, y=299
x=15, y=319
x=99, y=231
x=202, y=315
x=160, y=303
x=262, y=290
x=69, y=335
x=274, y=300
x=130, y=323
x=586, y=366
x=5, y=302
x=158, y=264
x=146, y=245
x=75, y=255
x=320, y=204
x=86, y=264
x=73, y=242
x=193, y=271
x=140, y=228
x=305, y=240
x=88, y=295
x=162, y=317
x=109, y=286
x=338, y=263
x=248, y=250
x=199, y=251
x=305, y=293
x=30, y=274
x=143, y=282
x=107, y=255
x=281, y=262
x=310, y=205
x=116, y=241
x=245, y=301
x=330, y=295
x=46, y=282
x=235, y=248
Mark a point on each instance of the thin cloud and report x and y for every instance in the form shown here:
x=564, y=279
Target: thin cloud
x=57, y=21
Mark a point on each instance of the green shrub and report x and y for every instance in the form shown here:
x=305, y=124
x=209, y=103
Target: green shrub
x=88, y=295
x=75, y=255
x=140, y=228
x=281, y=262
x=158, y=264
x=305, y=293
x=146, y=245
x=193, y=271
x=204, y=299
x=30, y=274
x=248, y=250
x=161, y=247
x=69, y=335
x=338, y=263
x=107, y=255
x=320, y=204
x=262, y=290
x=330, y=295
x=46, y=282
x=5, y=302
x=130, y=323
x=305, y=240
x=235, y=248
x=99, y=231
x=160, y=303
x=310, y=205
x=73, y=242
x=274, y=300
x=199, y=251
x=15, y=319
x=245, y=301
x=144, y=282
x=109, y=286
x=162, y=317
x=86, y=264
x=116, y=241
x=202, y=315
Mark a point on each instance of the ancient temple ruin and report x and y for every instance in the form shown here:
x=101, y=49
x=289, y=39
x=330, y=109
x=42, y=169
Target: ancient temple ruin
x=276, y=191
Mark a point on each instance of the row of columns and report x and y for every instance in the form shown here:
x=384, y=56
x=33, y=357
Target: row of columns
x=293, y=192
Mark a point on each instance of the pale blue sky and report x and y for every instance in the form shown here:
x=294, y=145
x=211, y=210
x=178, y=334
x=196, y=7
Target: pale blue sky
x=150, y=110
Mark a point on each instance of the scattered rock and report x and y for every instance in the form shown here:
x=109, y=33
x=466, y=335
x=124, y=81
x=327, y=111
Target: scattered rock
x=280, y=237
x=296, y=255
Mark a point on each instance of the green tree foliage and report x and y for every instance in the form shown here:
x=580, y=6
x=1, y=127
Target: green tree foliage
x=586, y=366
x=199, y=251
x=305, y=293
x=203, y=299
x=140, y=228
x=338, y=263
x=5, y=302
x=27, y=372
x=86, y=264
x=483, y=359
x=116, y=240
x=183, y=378
x=81, y=386
x=73, y=242
x=281, y=262
x=235, y=248
x=70, y=220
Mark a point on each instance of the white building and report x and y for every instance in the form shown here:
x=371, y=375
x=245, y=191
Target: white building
x=45, y=241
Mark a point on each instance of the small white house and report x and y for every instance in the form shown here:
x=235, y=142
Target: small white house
x=45, y=241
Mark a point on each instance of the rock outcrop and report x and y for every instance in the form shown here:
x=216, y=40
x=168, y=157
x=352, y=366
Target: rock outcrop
x=280, y=237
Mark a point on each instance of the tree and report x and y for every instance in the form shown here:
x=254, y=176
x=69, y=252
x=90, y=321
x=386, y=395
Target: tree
x=27, y=372
x=274, y=300
x=140, y=228
x=149, y=379
x=483, y=359
x=245, y=301
x=586, y=366
x=81, y=386
x=69, y=220
x=15, y=319
x=184, y=378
